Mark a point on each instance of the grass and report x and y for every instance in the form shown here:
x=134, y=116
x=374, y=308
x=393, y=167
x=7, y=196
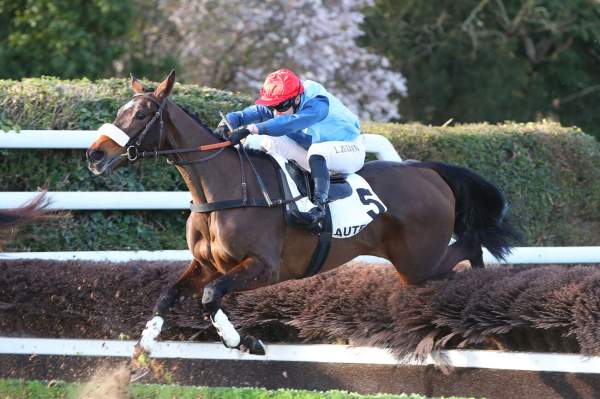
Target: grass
x=20, y=389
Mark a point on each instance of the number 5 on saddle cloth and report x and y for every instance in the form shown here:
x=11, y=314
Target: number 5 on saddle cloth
x=351, y=207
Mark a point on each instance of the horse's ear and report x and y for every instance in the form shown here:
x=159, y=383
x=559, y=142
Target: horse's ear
x=136, y=85
x=164, y=88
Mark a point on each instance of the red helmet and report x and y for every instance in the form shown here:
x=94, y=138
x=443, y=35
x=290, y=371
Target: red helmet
x=279, y=86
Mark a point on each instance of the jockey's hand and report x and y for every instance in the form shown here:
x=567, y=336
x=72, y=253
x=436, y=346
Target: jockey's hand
x=222, y=131
x=238, y=135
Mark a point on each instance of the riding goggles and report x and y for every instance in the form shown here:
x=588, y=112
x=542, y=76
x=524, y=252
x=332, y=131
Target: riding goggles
x=283, y=106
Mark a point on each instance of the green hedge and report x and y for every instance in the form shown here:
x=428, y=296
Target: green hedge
x=548, y=172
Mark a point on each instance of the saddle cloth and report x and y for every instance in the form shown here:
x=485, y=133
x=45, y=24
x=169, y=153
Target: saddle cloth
x=350, y=214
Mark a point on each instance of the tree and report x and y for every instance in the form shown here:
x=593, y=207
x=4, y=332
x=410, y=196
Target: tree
x=234, y=44
x=93, y=39
x=151, y=44
x=61, y=37
x=492, y=60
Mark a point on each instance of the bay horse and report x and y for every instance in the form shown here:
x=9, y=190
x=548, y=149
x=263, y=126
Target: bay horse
x=243, y=248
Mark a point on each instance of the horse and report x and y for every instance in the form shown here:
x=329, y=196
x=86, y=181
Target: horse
x=30, y=212
x=245, y=247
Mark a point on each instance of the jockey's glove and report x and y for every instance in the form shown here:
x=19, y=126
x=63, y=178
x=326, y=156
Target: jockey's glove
x=239, y=134
x=222, y=131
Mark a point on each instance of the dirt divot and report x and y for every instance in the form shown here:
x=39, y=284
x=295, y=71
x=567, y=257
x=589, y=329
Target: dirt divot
x=107, y=383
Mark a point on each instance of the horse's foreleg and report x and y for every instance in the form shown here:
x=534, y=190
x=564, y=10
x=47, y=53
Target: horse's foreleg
x=247, y=275
x=193, y=279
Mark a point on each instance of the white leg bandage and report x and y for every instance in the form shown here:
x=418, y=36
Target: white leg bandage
x=151, y=332
x=225, y=329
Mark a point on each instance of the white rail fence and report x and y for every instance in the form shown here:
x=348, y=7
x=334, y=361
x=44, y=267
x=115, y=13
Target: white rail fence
x=319, y=353
x=153, y=200
x=120, y=200
x=298, y=353
x=519, y=256
x=82, y=139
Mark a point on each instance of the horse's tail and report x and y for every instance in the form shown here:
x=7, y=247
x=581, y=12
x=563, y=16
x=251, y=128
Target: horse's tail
x=480, y=210
x=32, y=211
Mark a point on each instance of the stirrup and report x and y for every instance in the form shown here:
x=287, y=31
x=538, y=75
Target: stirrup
x=308, y=221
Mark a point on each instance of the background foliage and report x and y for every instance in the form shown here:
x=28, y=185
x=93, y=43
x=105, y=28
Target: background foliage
x=250, y=38
x=492, y=60
x=548, y=172
x=95, y=38
x=402, y=60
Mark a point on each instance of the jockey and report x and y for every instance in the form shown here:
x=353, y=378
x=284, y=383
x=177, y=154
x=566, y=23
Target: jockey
x=302, y=121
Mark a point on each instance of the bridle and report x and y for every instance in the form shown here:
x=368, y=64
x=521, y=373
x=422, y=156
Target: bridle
x=133, y=152
x=131, y=149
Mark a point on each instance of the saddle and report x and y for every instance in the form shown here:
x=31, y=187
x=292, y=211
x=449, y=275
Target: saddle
x=339, y=188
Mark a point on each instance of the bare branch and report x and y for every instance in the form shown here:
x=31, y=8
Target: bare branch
x=525, y=9
x=504, y=19
x=557, y=103
x=473, y=14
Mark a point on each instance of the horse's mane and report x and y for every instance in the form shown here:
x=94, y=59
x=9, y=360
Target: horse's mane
x=196, y=118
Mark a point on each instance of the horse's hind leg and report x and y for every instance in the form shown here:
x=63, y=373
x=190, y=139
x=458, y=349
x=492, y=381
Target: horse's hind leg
x=192, y=280
x=475, y=253
x=248, y=274
x=465, y=248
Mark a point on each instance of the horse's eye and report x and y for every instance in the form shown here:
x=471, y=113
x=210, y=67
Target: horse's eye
x=140, y=115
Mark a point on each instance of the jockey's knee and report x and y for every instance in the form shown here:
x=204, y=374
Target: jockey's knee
x=286, y=147
x=341, y=156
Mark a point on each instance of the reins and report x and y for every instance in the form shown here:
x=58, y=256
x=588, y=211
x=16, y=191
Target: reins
x=133, y=153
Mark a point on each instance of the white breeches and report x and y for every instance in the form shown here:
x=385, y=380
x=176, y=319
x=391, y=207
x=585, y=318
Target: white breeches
x=341, y=156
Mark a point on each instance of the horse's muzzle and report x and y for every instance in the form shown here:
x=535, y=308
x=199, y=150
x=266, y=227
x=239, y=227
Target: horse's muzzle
x=99, y=163
x=94, y=156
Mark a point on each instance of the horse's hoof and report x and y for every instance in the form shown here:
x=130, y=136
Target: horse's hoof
x=252, y=346
x=139, y=364
x=138, y=373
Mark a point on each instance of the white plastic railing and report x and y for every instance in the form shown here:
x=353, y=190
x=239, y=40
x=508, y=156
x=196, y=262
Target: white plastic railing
x=524, y=361
x=520, y=255
x=82, y=139
x=102, y=200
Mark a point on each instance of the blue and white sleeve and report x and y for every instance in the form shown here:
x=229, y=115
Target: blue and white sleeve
x=315, y=110
x=251, y=114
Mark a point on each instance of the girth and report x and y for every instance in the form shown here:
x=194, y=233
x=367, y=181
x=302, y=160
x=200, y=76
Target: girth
x=236, y=203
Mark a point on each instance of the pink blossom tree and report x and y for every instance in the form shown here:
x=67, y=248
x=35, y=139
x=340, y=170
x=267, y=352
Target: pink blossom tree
x=234, y=44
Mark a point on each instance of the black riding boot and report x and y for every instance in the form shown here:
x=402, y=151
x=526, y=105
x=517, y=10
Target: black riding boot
x=320, y=175
x=313, y=219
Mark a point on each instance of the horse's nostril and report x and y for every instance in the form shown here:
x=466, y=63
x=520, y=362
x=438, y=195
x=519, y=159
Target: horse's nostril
x=95, y=156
